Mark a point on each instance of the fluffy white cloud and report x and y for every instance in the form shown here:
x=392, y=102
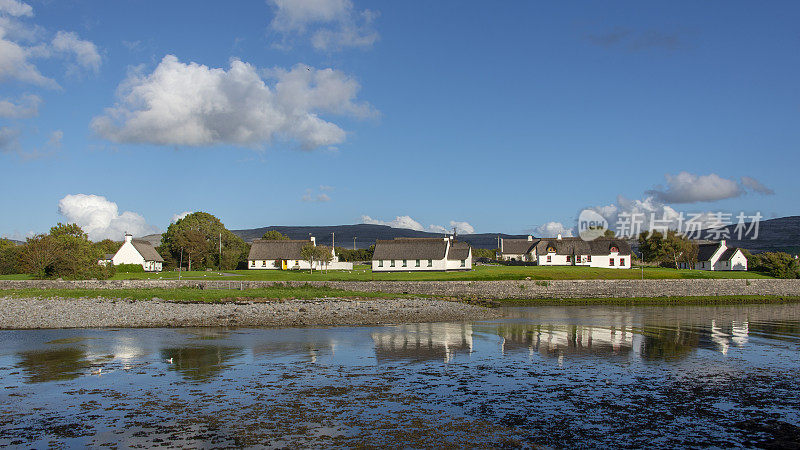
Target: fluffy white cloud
x=177, y=217
x=398, y=222
x=552, y=229
x=101, y=219
x=686, y=187
x=411, y=224
x=462, y=227
x=15, y=64
x=15, y=8
x=330, y=24
x=311, y=197
x=195, y=105
x=26, y=106
x=757, y=186
x=84, y=52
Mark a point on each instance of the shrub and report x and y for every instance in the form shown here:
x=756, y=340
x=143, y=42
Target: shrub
x=776, y=264
x=129, y=268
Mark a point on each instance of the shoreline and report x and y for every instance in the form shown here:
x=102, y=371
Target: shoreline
x=59, y=313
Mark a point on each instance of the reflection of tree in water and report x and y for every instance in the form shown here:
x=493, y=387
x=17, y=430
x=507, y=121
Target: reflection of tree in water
x=668, y=343
x=200, y=363
x=53, y=365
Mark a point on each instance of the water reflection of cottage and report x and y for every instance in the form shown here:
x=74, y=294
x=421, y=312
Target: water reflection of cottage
x=426, y=341
x=558, y=339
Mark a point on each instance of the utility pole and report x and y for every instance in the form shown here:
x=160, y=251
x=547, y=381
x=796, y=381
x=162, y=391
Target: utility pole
x=354, y=242
x=333, y=240
x=220, y=251
x=180, y=265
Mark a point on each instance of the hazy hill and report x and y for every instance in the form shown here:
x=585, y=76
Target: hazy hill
x=365, y=234
x=782, y=234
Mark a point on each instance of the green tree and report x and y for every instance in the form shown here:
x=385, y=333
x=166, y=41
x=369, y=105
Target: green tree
x=66, y=253
x=107, y=246
x=324, y=255
x=776, y=264
x=309, y=253
x=274, y=235
x=199, y=233
x=667, y=250
x=9, y=257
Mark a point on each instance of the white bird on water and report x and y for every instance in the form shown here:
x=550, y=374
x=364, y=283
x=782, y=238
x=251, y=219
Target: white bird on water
x=98, y=371
x=169, y=360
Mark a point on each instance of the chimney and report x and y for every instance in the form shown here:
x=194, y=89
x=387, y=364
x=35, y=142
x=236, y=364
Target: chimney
x=559, y=236
x=530, y=238
x=313, y=240
x=128, y=237
x=722, y=243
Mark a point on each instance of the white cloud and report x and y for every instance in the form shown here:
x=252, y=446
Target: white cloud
x=194, y=105
x=462, y=227
x=411, y=224
x=757, y=186
x=15, y=8
x=398, y=222
x=686, y=187
x=14, y=64
x=552, y=229
x=177, y=217
x=26, y=106
x=101, y=219
x=85, y=52
x=330, y=24
x=311, y=197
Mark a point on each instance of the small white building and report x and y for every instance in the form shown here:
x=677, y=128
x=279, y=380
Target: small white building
x=136, y=251
x=518, y=249
x=421, y=254
x=607, y=253
x=718, y=256
x=286, y=255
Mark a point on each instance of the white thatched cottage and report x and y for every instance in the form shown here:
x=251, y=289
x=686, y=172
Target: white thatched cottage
x=286, y=255
x=421, y=254
x=136, y=251
x=568, y=251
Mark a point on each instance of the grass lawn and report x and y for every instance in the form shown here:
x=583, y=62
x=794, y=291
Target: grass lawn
x=200, y=295
x=363, y=273
x=17, y=276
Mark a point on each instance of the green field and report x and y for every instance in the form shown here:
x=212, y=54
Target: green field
x=363, y=273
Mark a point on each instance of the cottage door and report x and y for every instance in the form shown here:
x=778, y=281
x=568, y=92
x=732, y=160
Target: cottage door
x=283, y=264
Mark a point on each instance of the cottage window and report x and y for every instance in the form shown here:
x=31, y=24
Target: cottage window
x=416, y=264
x=405, y=263
x=463, y=263
x=569, y=258
x=588, y=258
x=614, y=250
x=391, y=263
x=622, y=261
x=611, y=262
x=263, y=264
x=430, y=263
x=549, y=258
x=380, y=263
x=252, y=263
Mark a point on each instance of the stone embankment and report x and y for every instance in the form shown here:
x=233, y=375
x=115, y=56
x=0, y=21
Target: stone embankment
x=505, y=289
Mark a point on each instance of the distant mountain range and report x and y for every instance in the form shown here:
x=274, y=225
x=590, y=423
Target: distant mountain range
x=782, y=234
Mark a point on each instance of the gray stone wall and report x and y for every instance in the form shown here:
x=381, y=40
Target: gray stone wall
x=519, y=289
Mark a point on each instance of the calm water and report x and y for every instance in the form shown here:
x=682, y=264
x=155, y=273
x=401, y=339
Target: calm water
x=552, y=376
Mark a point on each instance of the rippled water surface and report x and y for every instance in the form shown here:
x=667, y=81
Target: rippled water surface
x=721, y=376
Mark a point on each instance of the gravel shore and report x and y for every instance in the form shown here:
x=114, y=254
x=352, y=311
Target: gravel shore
x=33, y=313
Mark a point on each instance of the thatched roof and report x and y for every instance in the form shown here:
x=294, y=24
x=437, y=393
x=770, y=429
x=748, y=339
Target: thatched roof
x=277, y=249
x=518, y=246
x=410, y=248
x=147, y=250
x=458, y=251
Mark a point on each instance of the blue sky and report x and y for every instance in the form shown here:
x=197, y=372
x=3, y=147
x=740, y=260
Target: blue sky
x=491, y=116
